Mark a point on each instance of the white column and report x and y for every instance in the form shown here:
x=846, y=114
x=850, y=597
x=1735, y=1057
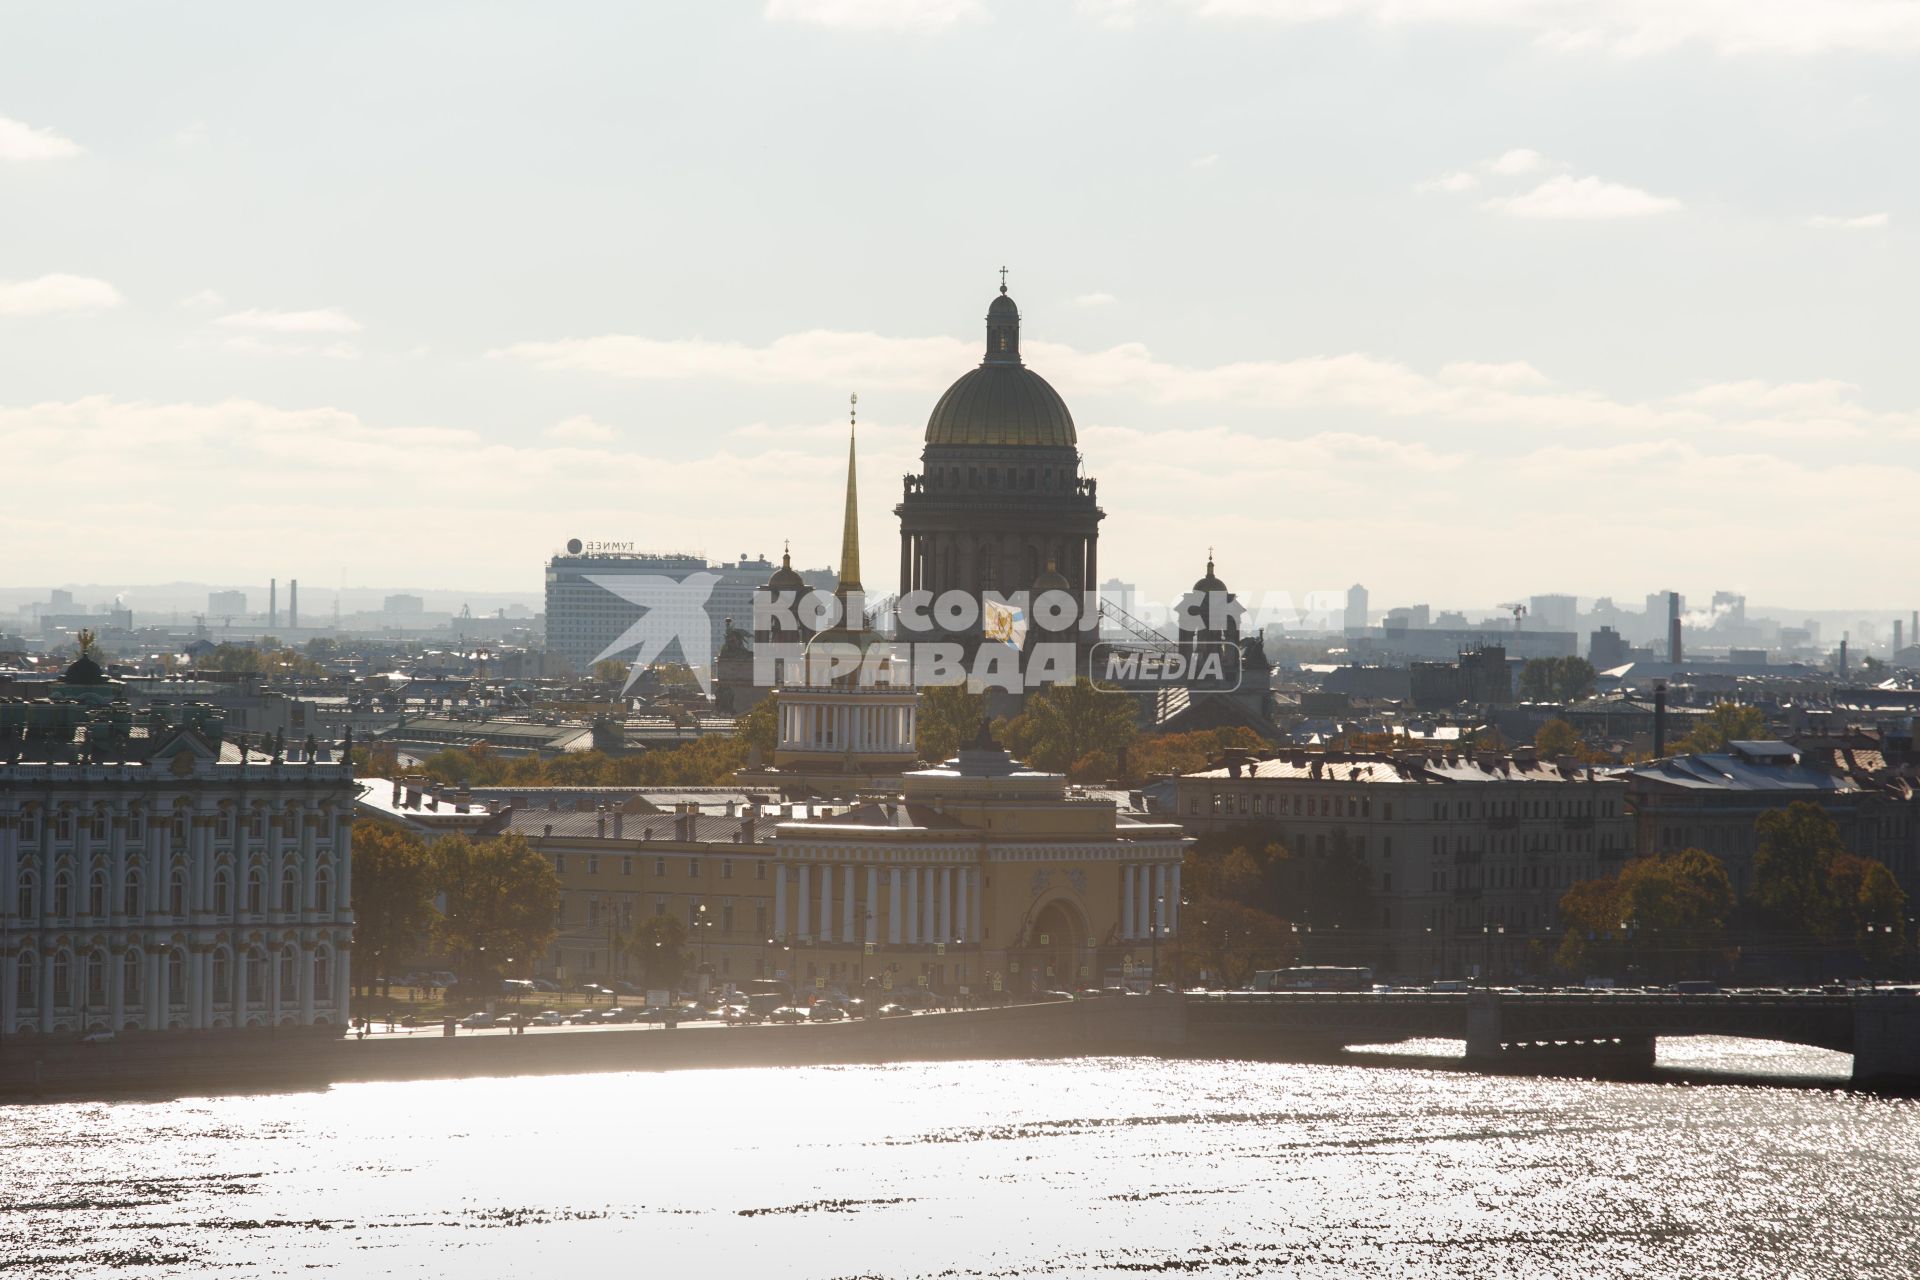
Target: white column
x=893, y=915
x=946, y=904
x=1157, y=921
x=779, y=903
x=873, y=905
x=826, y=902
x=973, y=905
x=306, y=985
x=1126, y=902
x=1173, y=900
x=806, y=903
x=1142, y=899
x=913, y=905
x=847, y=872
x=929, y=910
x=960, y=912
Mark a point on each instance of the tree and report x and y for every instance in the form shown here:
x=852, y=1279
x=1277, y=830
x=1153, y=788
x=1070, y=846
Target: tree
x=1223, y=941
x=1065, y=722
x=1815, y=897
x=1727, y=722
x=392, y=897
x=1664, y=915
x=502, y=899
x=1556, y=738
x=610, y=671
x=659, y=943
x=947, y=719
x=1556, y=679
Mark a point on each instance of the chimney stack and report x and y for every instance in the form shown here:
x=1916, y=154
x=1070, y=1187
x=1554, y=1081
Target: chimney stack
x=1659, y=720
x=1843, y=653
x=273, y=603
x=293, y=604
x=1674, y=654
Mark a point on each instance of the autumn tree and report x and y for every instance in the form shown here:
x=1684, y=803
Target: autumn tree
x=1556, y=738
x=1815, y=897
x=1225, y=931
x=502, y=899
x=1664, y=915
x=947, y=719
x=1063, y=723
x=393, y=885
x=1556, y=679
x=1727, y=722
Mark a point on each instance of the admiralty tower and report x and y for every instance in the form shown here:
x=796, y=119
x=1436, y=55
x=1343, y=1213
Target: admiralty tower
x=1000, y=503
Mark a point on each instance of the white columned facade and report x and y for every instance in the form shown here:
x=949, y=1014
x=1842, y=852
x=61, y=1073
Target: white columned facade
x=847, y=886
x=973, y=906
x=946, y=904
x=873, y=905
x=961, y=919
x=1173, y=900
x=913, y=906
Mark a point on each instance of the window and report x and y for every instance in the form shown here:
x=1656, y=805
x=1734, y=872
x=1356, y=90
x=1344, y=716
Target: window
x=659, y=866
x=289, y=976
x=26, y=987
x=130, y=970
x=693, y=868
x=759, y=871
x=177, y=977
x=323, y=975
x=726, y=868
x=726, y=918
x=222, y=892
x=222, y=975
x=659, y=906
x=177, y=892
x=63, y=826
x=560, y=864
x=29, y=898
x=256, y=890
x=62, y=895
x=626, y=866
x=256, y=976
x=760, y=920
x=290, y=890
x=593, y=865
x=323, y=890
x=62, y=980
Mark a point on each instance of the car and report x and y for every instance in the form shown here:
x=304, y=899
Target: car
x=517, y=987
x=620, y=1013
x=508, y=1021
x=1045, y=996
x=895, y=1011
x=547, y=985
x=546, y=1018
x=591, y=990
x=477, y=1020
x=787, y=1013
x=826, y=1011
x=626, y=988
x=585, y=1017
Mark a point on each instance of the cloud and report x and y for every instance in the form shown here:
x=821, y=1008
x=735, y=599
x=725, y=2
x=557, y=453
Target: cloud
x=1117, y=14
x=1207, y=161
x=820, y=356
x=54, y=293
x=877, y=15
x=1458, y=180
x=1510, y=375
x=1864, y=222
x=1517, y=161
x=323, y=320
x=1630, y=28
x=1565, y=196
x=248, y=344
x=202, y=300
x=1096, y=299
x=23, y=143
x=581, y=429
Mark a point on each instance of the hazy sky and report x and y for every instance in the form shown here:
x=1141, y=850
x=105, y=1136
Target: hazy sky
x=1462, y=299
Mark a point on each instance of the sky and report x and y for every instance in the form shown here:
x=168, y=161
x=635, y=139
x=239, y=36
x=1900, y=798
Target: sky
x=1461, y=299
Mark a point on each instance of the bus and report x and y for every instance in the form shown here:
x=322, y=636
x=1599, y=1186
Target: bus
x=764, y=995
x=1312, y=978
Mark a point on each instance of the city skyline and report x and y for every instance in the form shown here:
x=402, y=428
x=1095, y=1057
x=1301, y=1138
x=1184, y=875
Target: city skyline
x=523, y=276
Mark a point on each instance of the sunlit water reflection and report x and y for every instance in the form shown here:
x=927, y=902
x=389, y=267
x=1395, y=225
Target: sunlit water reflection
x=1098, y=1167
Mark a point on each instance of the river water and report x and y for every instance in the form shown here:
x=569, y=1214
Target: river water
x=1101, y=1167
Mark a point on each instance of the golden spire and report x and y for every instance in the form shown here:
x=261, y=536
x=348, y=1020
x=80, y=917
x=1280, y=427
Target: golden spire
x=850, y=530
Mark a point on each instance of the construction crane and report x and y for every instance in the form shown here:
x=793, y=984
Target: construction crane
x=1518, y=611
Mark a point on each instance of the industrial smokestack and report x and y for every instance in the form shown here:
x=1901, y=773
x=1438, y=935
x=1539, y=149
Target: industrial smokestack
x=1674, y=654
x=273, y=603
x=1659, y=721
x=293, y=605
x=1843, y=653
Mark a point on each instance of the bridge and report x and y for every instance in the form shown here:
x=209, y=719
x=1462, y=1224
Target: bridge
x=1594, y=1031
